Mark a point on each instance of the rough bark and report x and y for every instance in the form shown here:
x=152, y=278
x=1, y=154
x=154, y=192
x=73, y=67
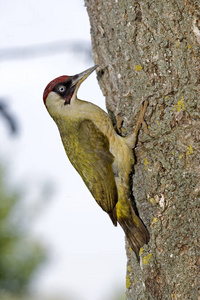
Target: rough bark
x=147, y=48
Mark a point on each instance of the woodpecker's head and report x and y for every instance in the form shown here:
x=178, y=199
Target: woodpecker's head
x=62, y=90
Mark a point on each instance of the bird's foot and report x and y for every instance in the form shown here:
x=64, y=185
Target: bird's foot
x=141, y=120
x=119, y=124
x=132, y=138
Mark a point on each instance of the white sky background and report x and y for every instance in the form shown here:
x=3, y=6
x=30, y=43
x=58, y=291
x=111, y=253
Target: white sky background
x=87, y=256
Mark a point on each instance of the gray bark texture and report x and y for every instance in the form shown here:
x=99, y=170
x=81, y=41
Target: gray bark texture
x=144, y=48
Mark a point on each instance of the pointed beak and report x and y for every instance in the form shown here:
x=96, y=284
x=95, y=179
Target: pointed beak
x=77, y=79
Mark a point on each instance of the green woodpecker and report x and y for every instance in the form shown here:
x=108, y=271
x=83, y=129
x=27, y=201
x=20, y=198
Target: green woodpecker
x=103, y=158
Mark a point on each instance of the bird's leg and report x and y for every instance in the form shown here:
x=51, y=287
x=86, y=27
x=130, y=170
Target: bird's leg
x=131, y=139
x=141, y=120
x=118, y=124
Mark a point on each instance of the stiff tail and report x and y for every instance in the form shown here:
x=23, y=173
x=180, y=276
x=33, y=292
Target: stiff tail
x=113, y=215
x=136, y=233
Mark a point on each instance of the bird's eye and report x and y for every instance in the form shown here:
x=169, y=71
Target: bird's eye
x=61, y=88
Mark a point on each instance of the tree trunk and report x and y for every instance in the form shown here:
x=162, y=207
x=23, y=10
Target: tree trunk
x=144, y=48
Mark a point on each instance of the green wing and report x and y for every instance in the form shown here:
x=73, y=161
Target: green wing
x=90, y=155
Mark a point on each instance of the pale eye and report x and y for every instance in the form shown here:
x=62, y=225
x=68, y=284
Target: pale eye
x=61, y=88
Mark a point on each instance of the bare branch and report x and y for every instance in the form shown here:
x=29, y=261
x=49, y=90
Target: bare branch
x=79, y=47
x=4, y=112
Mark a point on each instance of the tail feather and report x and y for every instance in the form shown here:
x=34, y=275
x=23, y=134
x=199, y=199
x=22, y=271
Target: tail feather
x=113, y=216
x=136, y=233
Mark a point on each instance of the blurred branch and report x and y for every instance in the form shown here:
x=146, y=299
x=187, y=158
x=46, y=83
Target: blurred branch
x=81, y=47
x=8, y=117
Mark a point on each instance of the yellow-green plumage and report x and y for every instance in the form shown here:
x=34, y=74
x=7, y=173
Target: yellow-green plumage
x=102, y=158
x=88, y=151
